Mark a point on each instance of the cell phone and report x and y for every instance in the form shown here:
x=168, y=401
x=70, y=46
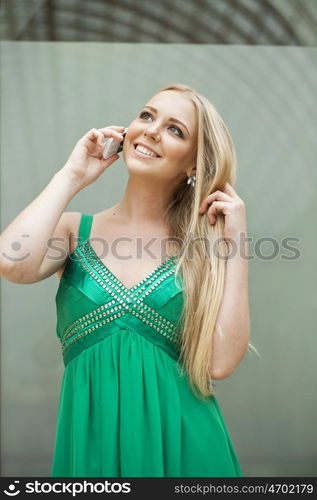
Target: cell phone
x=112, y=146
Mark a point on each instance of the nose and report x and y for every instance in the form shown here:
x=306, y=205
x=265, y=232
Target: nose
x=152, y=131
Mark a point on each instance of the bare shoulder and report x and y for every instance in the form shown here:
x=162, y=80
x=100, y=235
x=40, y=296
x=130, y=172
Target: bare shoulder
x=72, y=221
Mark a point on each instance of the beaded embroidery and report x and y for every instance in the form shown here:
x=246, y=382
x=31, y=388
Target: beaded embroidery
x=124, y=299
x=89, y=252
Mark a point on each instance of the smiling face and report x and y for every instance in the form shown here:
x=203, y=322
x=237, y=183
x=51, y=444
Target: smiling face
x=162, y=139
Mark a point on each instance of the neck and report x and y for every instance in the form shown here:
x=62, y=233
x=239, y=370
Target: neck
x=143, y=203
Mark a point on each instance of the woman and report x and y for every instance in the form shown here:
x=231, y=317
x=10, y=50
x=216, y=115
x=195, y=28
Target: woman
x=142, y=340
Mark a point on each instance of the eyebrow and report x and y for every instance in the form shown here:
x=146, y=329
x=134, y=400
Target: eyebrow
x=171, y=119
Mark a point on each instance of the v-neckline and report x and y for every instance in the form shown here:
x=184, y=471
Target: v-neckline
x=115, y=278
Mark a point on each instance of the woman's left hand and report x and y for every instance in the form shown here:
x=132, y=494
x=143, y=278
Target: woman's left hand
x=229, y=203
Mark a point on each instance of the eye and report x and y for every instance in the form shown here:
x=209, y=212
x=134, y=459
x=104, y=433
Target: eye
x=145, y=114
x=141, y=115
x=179, y=132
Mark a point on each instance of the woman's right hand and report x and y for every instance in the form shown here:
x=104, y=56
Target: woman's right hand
x=86, y=164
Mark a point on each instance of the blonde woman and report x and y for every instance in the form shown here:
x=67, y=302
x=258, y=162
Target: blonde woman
x=147, y=325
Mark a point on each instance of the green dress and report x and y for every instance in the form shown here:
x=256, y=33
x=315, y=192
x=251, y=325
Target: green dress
x=125, y=409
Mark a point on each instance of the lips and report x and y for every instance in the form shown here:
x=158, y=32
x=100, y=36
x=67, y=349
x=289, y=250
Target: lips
x=147, y=147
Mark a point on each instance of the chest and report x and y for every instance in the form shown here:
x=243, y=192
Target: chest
x=130, y=255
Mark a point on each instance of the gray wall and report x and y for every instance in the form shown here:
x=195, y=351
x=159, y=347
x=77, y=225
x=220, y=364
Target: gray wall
x=51, y=94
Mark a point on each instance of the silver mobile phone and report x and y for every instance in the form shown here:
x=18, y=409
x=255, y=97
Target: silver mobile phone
x=112, y=146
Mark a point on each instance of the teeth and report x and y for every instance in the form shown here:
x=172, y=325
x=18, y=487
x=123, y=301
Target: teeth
x=145, y=151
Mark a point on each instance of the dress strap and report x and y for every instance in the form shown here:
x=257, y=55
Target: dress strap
x=84, y=227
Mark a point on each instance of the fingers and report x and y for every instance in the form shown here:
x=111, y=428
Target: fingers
x=216, y=195
x=217, y=206
x=94, y=134
x=115, y=127
x=115, y=132
x=98, y=135
x=229, y=189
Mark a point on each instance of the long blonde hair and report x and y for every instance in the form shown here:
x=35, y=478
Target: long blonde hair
x=203, y=277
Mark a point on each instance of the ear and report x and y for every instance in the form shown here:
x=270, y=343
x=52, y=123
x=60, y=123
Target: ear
x=191, y=170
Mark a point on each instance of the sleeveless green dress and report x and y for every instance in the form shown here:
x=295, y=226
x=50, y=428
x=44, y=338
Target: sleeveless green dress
x=125, y=409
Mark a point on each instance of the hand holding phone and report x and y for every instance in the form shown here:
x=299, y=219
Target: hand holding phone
x=86, y=163
x=112, y=146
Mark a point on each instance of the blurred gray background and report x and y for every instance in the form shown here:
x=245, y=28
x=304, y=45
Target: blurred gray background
x=66, y=68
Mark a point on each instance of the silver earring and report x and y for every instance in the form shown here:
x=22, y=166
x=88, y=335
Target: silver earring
x=191, y=180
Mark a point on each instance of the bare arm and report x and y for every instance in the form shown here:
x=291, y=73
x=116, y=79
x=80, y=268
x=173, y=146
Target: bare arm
x=232, y=332
x=24, y=243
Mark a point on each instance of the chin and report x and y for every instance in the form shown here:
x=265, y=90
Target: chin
x=134, y=165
